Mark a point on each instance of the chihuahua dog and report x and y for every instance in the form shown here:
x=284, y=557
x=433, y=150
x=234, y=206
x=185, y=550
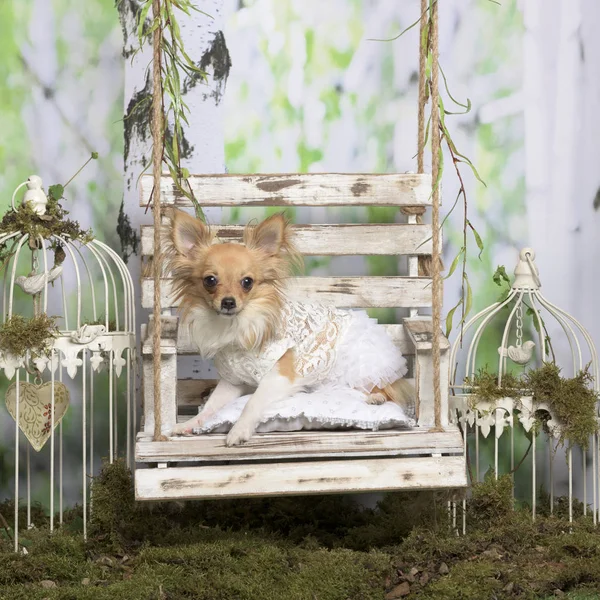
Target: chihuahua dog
x=233, y=296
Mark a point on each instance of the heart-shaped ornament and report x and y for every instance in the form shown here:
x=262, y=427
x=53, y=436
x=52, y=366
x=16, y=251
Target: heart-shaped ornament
x=35, y=409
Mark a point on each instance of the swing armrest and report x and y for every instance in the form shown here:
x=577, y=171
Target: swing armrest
x=168, y=374
x=420, y=332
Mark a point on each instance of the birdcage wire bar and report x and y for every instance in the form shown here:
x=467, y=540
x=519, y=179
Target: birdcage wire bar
x=520, y=410
x=93, y=284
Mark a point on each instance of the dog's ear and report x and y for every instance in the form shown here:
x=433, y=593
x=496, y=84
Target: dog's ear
x=270, y=236
x=188, y=233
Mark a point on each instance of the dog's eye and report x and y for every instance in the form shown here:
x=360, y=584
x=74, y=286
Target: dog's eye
x=247, y=283
x=210, y=281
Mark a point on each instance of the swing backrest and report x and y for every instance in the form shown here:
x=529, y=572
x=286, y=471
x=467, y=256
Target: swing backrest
x=320, y=190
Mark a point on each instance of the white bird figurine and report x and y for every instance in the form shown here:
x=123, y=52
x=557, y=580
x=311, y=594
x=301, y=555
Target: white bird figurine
x=34, y=284
x=87, y=333
x=518, y=354
x=35, y=195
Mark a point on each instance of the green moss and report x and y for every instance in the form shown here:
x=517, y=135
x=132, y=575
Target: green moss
x=570, y=400
x=331, y=521
x=301, y=549
x=467, y=581
x=113, y=520
x=485, y=385
x=19, y=334
x=53, y=222
x=492, y=498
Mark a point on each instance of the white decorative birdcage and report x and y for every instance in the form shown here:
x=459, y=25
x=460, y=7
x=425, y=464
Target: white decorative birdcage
x=527, y=327
x=56, y=276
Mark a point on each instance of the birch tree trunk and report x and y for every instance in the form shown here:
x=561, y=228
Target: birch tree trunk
x=203, y=145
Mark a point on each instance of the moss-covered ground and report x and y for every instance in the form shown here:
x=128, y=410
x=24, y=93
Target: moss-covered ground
x=315, y=548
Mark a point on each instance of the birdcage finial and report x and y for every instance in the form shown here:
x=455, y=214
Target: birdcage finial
x=526, y=273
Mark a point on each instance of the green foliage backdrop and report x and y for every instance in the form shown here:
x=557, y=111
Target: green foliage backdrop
x=61, y=97
x=308, y=91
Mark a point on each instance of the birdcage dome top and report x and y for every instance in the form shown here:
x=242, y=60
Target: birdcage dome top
x=52, y=269
x=528, y=331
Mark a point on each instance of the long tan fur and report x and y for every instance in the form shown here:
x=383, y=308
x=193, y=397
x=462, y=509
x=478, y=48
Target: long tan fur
x=268, y=252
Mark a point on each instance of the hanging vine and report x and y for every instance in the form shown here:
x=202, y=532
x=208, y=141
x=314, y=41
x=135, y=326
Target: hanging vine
x=176, y=64
x=459, y=160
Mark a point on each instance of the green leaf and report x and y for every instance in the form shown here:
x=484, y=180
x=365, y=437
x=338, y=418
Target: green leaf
x=469, y=300
x=477, y=237
x=427, y=130
x=500, y=276
x=468, y=162
x=56, y=191
x=450, y=318
x=455, y=263
x=143, y=14
x=460, y=192
x=466, y=106
x=428, y=64
x=536, y=322
x=425, y=36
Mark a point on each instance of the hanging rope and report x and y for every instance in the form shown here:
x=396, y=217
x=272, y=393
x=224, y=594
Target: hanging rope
x=434, y=266
x=157, y=152
x=435, y=216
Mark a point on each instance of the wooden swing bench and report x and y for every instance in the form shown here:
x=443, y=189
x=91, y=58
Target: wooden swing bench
x=314, y=462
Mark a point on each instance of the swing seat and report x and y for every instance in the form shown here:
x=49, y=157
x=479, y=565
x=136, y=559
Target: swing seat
x=304, y=462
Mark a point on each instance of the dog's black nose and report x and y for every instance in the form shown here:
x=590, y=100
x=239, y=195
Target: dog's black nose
x=228, y=304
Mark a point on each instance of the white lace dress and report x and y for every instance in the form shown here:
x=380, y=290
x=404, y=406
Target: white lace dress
x=333, y=349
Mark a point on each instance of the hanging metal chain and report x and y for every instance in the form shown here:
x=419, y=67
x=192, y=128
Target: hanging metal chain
x=35, y=267
x=519, y=325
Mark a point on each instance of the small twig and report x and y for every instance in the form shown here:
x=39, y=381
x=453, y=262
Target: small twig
x=524, y=456
x=6, y=526
x=93, y=156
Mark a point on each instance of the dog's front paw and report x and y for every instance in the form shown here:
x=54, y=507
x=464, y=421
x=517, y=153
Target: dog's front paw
x=239, y=434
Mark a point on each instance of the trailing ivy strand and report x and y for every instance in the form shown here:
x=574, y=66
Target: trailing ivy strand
x=175, y=64
x=429, y=69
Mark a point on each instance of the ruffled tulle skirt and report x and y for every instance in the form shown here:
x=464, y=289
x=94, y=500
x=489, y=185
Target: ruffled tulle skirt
x=367, y=357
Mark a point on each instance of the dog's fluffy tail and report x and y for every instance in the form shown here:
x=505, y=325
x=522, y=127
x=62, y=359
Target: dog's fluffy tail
x=403, y=393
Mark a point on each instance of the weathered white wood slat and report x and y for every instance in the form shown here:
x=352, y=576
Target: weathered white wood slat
x=302, y=445
x=186, y=346
x=308, y=189
x=347, y=292
x=315, y=477
x=334, y=240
